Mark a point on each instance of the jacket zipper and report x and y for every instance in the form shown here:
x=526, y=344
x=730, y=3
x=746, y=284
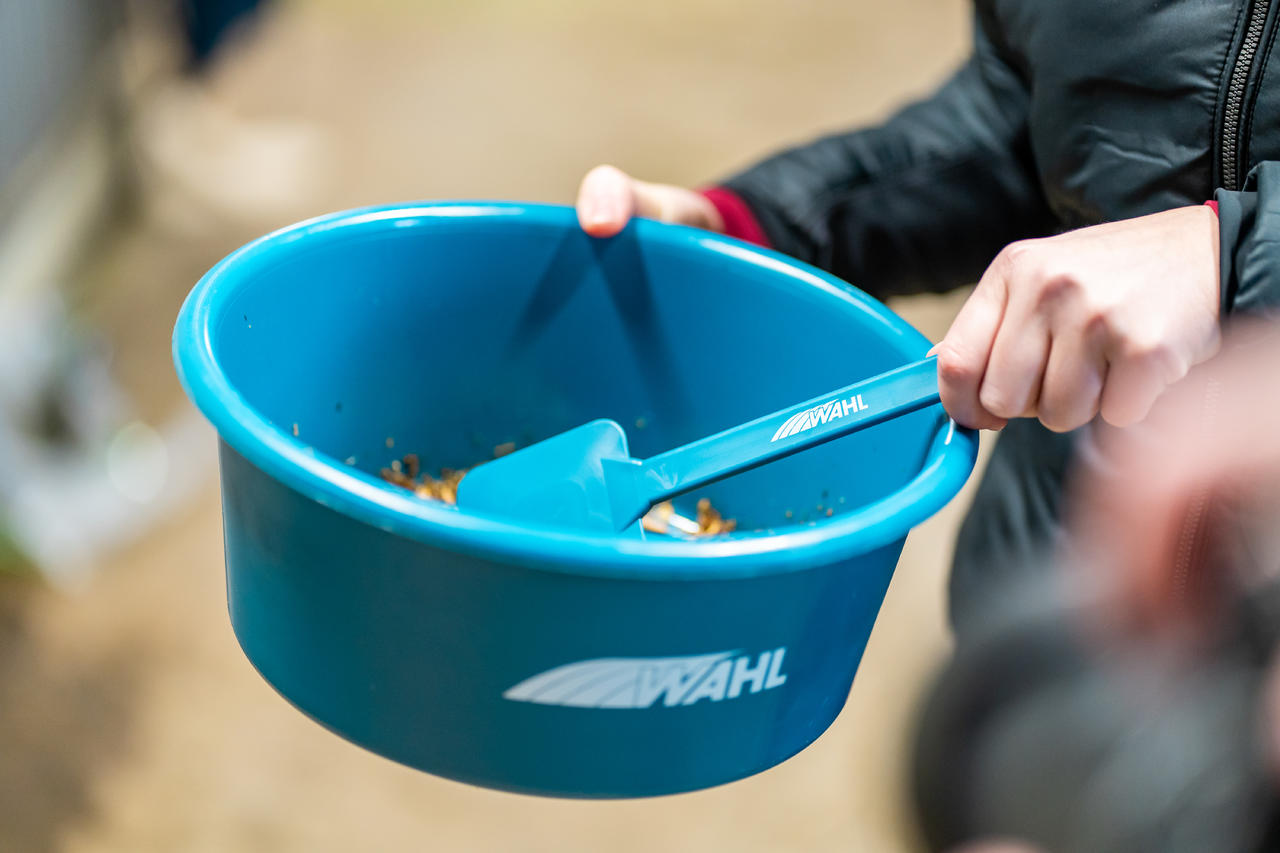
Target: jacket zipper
x=1235, y=92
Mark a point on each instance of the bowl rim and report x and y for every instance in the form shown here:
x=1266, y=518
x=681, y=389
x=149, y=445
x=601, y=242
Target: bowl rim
x=363, y=497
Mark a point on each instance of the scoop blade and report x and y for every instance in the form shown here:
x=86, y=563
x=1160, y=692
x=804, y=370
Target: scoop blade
x=559, y=482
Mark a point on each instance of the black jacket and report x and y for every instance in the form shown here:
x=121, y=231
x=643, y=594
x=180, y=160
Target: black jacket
x=1069, y=113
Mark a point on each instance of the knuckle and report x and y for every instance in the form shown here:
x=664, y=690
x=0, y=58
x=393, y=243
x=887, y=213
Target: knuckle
x=1019, y=252
x=1098, y=325
x=995, y=401
x=1029, y=261
x=1006, y=260
x=1154, y=357
x=1139, y=348
x=1120, y=414
x=1059, y=418
x=1056, y=286
x=955, y=370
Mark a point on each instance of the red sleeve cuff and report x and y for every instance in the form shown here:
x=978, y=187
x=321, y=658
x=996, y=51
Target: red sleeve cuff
x=1212, y=205
x=738, y=219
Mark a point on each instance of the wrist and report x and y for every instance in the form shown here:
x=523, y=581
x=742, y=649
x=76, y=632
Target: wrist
x=1211, y=219
x=734, y=216
x=708, y=213
x=1198, y=229
x=1215, y=243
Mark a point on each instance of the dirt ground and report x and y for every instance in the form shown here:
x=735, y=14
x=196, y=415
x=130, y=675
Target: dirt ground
x=129, y=719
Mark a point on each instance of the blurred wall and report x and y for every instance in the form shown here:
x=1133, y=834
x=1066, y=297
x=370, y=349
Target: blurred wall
x=49, y=51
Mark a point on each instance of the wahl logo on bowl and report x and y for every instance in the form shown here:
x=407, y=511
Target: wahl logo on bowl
x=642, y=682
x=820, y=414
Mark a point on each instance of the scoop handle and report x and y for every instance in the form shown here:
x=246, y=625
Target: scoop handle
x=821, y=419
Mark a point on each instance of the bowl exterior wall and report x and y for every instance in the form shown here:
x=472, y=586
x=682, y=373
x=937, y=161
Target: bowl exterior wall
x=527, y=679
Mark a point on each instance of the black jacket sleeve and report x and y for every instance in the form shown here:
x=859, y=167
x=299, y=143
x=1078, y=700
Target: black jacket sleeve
x=1249, y=228
x=920, y=203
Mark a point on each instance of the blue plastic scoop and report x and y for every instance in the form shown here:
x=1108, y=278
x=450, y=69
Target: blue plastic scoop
x=586, y=478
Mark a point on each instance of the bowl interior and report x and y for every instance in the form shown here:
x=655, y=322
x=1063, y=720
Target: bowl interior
x=447, y=335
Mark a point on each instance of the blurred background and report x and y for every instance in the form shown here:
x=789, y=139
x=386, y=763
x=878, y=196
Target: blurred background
x=139, y=143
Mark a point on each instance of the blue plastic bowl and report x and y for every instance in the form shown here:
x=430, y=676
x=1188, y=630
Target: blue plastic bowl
x=522, y=657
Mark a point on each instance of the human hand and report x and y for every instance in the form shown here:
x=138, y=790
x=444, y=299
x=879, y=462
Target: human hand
x=1095, y=321
x=609, y=197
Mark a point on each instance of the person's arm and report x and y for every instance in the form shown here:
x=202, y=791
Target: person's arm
x=919, y=203
x=1249, y=234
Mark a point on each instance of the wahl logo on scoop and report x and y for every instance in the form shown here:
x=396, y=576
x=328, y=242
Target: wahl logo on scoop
x=819, y=414
x=643, y=682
